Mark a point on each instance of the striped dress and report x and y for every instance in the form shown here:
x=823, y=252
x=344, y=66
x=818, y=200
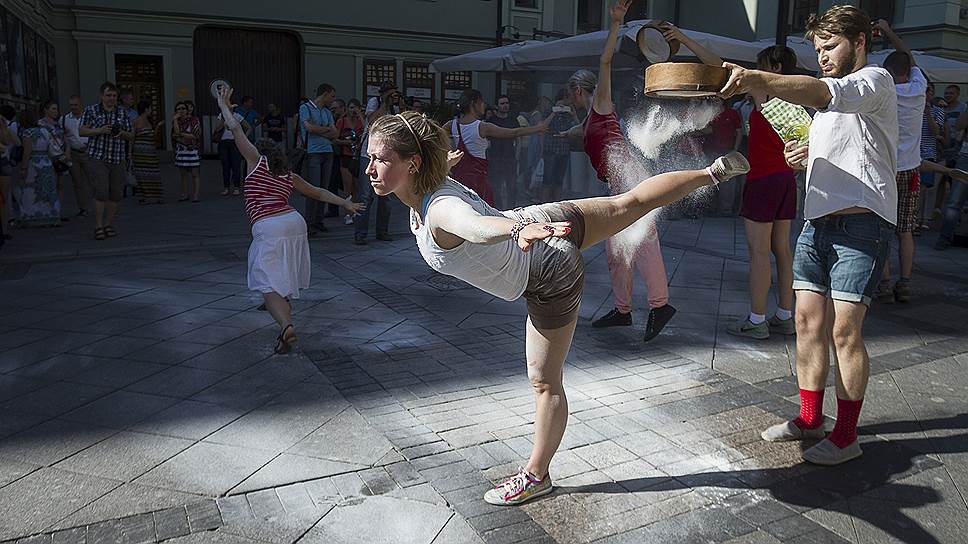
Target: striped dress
x=186, y=155
x=144, y=165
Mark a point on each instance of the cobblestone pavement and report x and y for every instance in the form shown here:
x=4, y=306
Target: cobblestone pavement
x=140, y=402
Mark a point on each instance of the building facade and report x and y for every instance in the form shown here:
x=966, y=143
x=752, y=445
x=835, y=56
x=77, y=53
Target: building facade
x=277, y=52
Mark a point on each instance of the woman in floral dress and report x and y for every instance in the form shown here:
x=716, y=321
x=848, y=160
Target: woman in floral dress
x=37, y=199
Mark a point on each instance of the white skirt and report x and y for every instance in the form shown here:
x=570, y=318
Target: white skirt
x=279, y=255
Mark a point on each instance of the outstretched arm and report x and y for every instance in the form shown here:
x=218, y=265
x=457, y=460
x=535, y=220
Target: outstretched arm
x=456, y=218
x=896, y=40
x=248, y=151
x=490, y=130
x=672, y=32
x=802, y=90
x=602, y=100
x=322, y=195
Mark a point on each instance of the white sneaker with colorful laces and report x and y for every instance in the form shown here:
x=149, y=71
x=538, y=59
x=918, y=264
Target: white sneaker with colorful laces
x=519, y=488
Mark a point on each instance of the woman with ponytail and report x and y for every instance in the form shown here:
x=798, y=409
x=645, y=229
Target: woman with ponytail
x=534, y=252
x=471, y=136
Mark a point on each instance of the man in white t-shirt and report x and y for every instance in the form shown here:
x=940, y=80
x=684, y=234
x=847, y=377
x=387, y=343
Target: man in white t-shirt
x=71, y=121
x=851, y=209
x=911, y=86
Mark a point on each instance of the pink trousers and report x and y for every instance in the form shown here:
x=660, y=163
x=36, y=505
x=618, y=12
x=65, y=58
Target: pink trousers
x=648, y=259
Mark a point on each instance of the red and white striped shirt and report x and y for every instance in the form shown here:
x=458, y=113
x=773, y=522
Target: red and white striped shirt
x=265, y=193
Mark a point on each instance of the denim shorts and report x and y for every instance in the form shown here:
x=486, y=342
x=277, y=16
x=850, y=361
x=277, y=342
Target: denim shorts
x=842, y=255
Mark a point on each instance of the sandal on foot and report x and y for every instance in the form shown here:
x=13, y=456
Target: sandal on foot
x=283, y=344
x=99, y=234
x=109, y=231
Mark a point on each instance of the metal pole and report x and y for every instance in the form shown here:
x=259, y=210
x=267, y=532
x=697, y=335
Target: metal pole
x=782, y=21
x=499, y=41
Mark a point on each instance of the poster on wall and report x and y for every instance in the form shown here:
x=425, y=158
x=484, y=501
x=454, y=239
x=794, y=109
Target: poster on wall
x=30, y=62
x=15, y=60
x=51, y=72
x=4, y=56
x=42, y=89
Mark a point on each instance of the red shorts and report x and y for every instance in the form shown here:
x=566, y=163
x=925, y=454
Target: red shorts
x=770, y=198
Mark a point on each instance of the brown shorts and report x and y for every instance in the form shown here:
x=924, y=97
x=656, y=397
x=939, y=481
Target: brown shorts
x=908, y=201
x=557, y=272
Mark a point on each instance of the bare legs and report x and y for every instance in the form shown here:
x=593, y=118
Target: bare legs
x=546, y=351
x=185, y=173
x=761, y=239
x=816, y=330
x=605, y=216
x=280, y=310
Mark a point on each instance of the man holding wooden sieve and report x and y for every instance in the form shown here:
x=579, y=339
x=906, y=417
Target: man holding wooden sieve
x=851, y=210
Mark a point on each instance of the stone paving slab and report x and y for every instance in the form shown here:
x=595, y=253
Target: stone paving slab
x=408, y=394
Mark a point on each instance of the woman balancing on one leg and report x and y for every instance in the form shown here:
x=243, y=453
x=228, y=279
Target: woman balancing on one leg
x=607, y=149
x=533, y=251
x=279, y=254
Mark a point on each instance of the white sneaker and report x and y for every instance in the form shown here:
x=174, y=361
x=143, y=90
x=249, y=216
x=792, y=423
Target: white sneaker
x=828, y=454
x=788, y=430
x=347, y=219
x=729, y=166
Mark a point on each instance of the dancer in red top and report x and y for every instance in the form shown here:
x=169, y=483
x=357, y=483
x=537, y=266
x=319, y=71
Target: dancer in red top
x=769, y=202
x=471, y=136
x=279, y=254
x=606, y=146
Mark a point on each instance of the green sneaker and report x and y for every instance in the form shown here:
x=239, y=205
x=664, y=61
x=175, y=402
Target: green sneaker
x=745, y=327
x=519, y=488
x=785, y=327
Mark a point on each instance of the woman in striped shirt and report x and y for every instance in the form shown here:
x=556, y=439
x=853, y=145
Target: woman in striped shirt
x=279, y=254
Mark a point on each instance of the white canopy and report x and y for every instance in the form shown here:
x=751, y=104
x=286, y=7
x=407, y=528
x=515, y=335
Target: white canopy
x=584, y=50
x=495, y=59
x=938, y=69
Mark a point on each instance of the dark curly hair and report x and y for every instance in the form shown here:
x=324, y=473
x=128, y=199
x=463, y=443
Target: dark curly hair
x=275, y=155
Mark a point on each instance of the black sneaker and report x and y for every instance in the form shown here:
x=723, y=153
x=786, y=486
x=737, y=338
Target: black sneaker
x=658, y=317
x=320, y=226
x=614, y=318
x=81, y=213
x=359, y=240
x=386, y=237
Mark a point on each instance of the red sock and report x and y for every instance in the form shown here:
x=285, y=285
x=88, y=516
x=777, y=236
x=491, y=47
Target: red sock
x=845, y=430
x=811, y=409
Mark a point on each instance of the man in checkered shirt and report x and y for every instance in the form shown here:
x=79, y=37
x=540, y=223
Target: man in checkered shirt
x=107, y=126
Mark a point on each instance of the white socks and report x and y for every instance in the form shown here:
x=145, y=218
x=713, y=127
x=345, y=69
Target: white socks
x=756, y=319
x=783, y=315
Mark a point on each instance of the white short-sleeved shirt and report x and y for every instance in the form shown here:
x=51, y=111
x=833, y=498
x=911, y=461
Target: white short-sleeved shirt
x=500, y=269
x=910, y=117
x=853, y=147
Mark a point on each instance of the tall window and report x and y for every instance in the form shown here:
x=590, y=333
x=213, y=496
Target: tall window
x=589, y=15
x=454, y=84
x=801, y=10
x=879, y=9
x=418, y=82
x=375, y=72
x=638, y=11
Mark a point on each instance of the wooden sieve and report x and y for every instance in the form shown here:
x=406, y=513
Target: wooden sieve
x=684, y=80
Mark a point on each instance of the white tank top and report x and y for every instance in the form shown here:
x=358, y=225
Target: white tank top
x=498, y=269
x=471, y=133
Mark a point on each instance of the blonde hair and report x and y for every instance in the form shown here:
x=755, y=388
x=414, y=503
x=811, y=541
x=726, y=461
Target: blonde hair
x=842, y=20
x=584, y=80
x=409, y=134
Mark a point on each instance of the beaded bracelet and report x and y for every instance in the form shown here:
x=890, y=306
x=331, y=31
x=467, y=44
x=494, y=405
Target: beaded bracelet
x=519, y=226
